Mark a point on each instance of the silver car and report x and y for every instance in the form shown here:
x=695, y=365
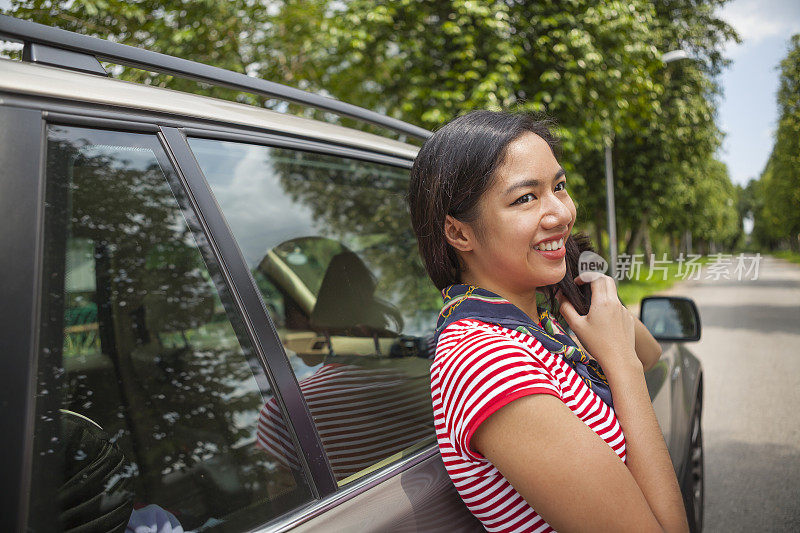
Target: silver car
x=215, y=317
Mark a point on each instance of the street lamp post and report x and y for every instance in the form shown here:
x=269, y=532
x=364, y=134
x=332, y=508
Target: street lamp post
x=610, y=209
x=673, y=55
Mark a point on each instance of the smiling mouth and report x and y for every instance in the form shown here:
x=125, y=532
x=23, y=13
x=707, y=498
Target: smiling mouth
x=550, y=245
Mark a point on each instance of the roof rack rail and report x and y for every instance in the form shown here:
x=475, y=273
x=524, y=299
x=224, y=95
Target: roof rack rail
x=32, y=34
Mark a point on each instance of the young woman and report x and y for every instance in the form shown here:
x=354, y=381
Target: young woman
x=536, y=434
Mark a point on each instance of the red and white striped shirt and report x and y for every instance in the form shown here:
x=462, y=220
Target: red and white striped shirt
x=363, y=414
x=478, y=369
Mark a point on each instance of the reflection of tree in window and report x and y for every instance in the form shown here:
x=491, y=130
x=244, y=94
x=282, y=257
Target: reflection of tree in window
x=171, y=383
x=364, y=203
x=330, y=245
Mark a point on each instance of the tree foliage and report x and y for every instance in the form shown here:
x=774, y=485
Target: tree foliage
x=663, y=158
x=777, y=209
x=216, y=32
x=595, y=67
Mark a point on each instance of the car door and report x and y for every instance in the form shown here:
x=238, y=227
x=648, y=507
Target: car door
x=149, y=382
x=661, y=384
x=148, y=293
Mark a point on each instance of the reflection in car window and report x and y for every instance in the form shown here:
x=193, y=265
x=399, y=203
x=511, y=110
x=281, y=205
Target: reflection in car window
x=330, y=245
x=149, y=393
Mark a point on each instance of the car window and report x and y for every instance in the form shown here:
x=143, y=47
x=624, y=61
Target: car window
x=149, y=391
x=330, y=245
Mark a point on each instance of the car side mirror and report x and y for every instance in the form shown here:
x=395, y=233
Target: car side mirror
x=670, y=318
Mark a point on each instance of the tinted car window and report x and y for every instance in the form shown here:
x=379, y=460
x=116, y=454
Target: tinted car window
x=330, y=245
x=149, y=392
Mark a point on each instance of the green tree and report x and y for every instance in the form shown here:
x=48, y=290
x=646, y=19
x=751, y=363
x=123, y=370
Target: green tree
x=658, y=160
x=777, y=221
x=595, y=67
x=591, y=66
x=418, y=61
x=215, y=32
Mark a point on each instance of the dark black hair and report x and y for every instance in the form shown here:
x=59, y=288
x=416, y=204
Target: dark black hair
x=452, y=170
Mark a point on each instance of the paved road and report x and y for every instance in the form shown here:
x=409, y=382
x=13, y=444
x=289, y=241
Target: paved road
x=750, y=349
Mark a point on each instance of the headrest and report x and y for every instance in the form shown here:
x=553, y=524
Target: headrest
x=347, y=302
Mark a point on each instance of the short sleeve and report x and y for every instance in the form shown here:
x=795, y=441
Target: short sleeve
x=481, y=373
x=273, y=437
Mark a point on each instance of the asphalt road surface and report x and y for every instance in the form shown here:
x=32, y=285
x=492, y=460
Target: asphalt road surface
x=750, y=350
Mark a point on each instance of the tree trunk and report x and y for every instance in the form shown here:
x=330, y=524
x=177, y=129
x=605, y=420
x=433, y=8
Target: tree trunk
x=598, y=228
x=636, y=237
x=648, y=247
x=626, y=236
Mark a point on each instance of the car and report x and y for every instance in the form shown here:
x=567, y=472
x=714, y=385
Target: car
x=215, y=315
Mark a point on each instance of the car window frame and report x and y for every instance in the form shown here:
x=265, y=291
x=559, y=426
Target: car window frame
x=314, y=147
x=384, y=471
x=22, y=199
x=248, y=301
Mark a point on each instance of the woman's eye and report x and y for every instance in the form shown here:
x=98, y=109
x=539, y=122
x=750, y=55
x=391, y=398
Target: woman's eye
x=525, y=198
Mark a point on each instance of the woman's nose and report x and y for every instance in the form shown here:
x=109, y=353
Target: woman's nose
x=556, y=213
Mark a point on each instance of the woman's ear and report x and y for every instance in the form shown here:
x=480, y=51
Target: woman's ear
x=458, y=234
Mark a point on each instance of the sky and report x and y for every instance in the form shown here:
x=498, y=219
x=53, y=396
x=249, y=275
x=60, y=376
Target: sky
x=748, y=112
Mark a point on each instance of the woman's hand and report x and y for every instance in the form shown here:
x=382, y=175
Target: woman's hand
x=607, y=331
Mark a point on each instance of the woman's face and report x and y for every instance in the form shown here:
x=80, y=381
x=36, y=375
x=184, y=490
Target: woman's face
x=525, y=205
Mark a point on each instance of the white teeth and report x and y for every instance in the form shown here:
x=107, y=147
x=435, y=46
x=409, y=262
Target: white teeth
x=551, y=245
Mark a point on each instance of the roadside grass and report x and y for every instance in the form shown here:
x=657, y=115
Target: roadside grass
x=631, y=291
x=789, y=255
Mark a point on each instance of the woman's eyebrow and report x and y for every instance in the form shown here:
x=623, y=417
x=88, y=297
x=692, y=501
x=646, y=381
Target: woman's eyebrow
x=532, y=182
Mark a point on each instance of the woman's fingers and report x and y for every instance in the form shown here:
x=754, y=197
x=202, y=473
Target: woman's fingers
x=569, y=313
x=596, y=281
x=610, y=285
x=587, y=277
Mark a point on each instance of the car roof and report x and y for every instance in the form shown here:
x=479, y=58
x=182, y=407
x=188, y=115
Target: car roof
x=71, y=86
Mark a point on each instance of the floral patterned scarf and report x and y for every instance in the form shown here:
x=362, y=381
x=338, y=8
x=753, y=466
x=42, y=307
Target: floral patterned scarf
x=469, y=301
